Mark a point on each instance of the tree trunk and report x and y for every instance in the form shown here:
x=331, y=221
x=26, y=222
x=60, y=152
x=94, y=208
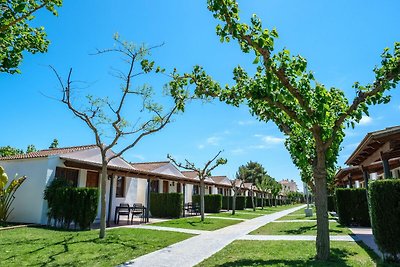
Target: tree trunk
x=321, y=203
x=202, y=192
x=252, y=200
x=262, y=201
x=103, y=199
x=234, y=204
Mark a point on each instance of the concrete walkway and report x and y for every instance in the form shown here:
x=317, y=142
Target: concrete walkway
x=365, y=235
x=196, y=249
x=296, y=237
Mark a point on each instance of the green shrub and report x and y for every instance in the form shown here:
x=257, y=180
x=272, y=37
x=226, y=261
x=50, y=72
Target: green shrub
x=227, y=202
x=166, y=205
x=212, y=203
x=259, y=202
x=240, y=203
x=331, y=203
x=352, y=206
x=67, y=205
x=384, y=197
x=249, y=203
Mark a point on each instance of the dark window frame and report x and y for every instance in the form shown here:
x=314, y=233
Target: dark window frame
x=68, y=174
x=120, y=187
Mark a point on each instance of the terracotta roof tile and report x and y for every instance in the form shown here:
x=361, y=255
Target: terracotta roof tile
x=48, y=152
x=149, y=166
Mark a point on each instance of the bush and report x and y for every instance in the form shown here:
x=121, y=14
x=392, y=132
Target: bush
x=331, y=203
x=166, y=205
x=67, y=205
x=352, y=206
x=240, y=202
x=212, y=203
x=249, y=203
x=227, y=202
x=259, y=202
x=384, y=197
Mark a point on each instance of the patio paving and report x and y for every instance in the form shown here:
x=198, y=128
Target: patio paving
x=204, y=245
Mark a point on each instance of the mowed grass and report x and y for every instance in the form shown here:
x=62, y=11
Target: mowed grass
x=298, y=228
x=289, y=253
x=268, y=210
x=237, y=215
x=209, y=224
x=49, y=247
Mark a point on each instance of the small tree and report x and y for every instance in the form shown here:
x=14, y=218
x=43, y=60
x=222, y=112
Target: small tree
x=105, y=119
x=202, y=173
x=31, y=148
x=252, y=172
x=236, y=190
x=54, y=144
x=16, y=35
x=275, y=190
x=10, y=151
x=7, y=193
x=264, y=185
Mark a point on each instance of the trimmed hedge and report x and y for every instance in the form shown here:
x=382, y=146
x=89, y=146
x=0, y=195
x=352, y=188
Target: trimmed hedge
x=67, y=205
x=249, y=204
x=331, y=203
x=384, y=197
x=166, y=205
x=352, y=206
x=212, y=203
x=227, y=202
x=240, y=202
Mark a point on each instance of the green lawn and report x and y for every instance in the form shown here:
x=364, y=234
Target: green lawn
x=268, y=210
x=298, y=228
x=289, y=253
x=209, y=223
x=47, y=247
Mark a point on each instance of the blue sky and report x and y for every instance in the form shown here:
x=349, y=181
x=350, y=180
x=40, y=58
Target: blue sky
x=342, y=41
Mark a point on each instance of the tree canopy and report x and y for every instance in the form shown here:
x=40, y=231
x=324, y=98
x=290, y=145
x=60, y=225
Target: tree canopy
x=16, y=33
x=251, y=172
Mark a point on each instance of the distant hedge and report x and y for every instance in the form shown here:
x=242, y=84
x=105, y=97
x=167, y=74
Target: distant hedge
x=67, y=205
x=249, y=202
x=352, y=206
x=166, y=205
x=240, y=203
x=227, y=202
x=212, y=203
x=332, y=203
x=384, y=197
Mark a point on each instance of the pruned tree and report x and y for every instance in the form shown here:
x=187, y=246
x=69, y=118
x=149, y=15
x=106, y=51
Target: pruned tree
x=16, y=33
x=284, y=91
x=236, y=190
x=276, y=188
x=105, y=118
x=252, y=172
x=264, y=185
x=202, y=173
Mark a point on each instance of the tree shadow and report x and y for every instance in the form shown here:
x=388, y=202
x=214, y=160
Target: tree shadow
x=300, y=230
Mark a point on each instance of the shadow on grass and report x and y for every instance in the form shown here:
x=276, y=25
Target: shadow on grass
x=338, y=258
x=305, y=229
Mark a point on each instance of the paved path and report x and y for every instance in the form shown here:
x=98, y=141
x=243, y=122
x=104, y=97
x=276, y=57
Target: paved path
x=295, y=237
x=365, y=235
x=196, y=249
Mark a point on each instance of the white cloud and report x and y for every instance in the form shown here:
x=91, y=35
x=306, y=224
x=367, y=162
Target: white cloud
x=267, y=141
x=237, y=151
x=138, y=156
x=248, y=122
x=365, y=120
x=213, y=140
x=201, y=146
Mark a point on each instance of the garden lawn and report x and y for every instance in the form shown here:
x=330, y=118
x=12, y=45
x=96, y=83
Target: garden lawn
x=298, y=228
x=209, y=224
x=290, y=253
x=48, y=247
x=300, y=215
x=268, y=210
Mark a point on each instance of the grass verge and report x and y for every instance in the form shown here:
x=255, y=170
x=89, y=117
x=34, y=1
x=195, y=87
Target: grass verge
x=298, y=228
x=209, y=224
x=290, y=253
x=48, y=247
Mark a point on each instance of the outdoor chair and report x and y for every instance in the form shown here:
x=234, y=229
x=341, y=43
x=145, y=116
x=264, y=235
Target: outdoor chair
x=137, y=209
x=122, y=210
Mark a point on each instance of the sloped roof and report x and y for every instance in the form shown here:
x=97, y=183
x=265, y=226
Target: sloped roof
x=221, y=180
x=194, y=175
x=149, y=166
x=48, y=152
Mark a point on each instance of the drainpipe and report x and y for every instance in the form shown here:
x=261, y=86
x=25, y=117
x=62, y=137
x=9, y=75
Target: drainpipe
x=148, y=200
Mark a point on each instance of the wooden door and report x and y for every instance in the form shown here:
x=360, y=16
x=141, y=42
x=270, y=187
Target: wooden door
x=92, y=179
x=165, y=187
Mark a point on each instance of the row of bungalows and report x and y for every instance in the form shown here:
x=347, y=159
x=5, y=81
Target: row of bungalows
x=81, y=165
x=376, y=157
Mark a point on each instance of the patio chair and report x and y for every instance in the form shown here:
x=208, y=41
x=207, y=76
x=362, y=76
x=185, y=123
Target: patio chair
x=122, y=210
x=137, y=209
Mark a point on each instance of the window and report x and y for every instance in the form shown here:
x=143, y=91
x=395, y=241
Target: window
x=71, y=175
x=120, y=188
x=220, y=191
x=178, y=187
x=154, y=186
x=92, y=179
x=209, y=190
x=165, y=187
